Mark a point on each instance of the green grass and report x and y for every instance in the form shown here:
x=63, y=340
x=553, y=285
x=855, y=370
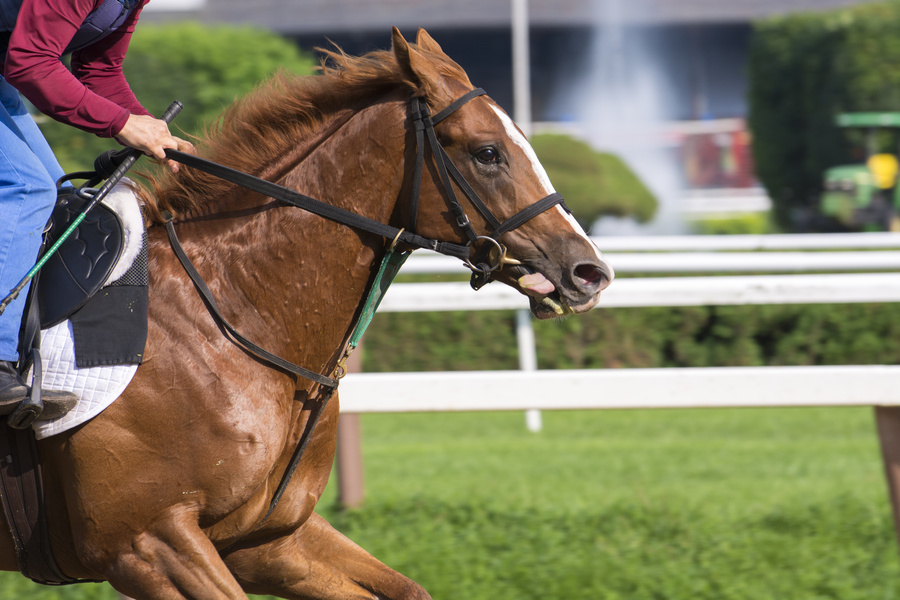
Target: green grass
x=689, y=504
x=670, y=504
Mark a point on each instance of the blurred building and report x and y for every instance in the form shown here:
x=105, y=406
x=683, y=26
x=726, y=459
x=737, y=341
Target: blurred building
x=703, y=42
x=700, y=48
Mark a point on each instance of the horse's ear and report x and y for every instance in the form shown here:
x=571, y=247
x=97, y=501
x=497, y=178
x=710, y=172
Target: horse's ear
x=400, y=47
x=420, y=71
x=426, y=42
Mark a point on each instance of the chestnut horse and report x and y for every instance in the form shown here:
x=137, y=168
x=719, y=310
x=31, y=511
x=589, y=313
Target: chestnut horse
x=164, y=494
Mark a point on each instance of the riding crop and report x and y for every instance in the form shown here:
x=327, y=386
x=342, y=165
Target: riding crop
x=130, y=157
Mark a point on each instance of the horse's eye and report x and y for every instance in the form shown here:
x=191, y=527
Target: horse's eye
x=488, y=156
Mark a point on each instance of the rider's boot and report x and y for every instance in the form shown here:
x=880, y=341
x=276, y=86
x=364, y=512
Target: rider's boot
x=13, y=390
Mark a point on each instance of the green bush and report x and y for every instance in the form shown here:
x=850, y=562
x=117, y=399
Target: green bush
x=593, y=183
x=205, y=67
x=747, y=224
x=804, y=70
x=706, y=336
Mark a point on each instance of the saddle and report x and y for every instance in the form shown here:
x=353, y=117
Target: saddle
x=83, y=263
x=110, y=328
x=68, y=286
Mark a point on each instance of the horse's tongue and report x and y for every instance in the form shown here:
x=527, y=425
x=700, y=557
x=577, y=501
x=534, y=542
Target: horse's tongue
x=536, y=282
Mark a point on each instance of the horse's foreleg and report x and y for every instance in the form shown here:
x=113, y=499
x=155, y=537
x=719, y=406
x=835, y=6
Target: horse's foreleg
x=172, y=561
x=316, y=562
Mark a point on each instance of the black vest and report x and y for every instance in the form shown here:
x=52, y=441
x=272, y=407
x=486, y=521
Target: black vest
x=102, y=21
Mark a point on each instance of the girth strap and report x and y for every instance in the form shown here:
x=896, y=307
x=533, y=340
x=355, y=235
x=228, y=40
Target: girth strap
x=22, y=492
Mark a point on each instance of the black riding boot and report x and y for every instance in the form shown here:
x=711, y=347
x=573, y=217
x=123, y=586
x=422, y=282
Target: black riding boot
x=13, y=390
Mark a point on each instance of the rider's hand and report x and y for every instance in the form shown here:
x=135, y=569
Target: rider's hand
x=151, y=136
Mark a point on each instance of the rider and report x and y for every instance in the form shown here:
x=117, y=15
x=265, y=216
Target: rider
x=92, y=96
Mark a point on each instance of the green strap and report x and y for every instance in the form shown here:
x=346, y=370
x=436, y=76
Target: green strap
x=389, y=267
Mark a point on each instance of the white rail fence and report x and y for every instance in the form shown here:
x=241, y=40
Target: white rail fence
x=700, y=387
x=533, y=390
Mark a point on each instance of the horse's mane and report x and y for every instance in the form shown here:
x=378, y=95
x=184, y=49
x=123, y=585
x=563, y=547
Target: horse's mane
x=263, y=125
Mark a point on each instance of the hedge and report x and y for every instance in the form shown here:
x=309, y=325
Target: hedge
x=593, y=183
x=817, y=334
x=803, y=70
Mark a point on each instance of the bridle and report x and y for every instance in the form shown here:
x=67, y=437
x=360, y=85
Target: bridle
x=492, y=256
x=483, y=261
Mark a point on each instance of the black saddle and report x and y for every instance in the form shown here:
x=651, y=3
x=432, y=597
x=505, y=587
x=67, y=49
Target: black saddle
x=109, y=327
x=84, y=261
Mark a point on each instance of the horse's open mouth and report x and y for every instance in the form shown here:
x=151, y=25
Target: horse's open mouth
x=546, y=298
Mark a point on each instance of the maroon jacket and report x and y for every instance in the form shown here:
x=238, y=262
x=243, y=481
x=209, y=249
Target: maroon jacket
x=94, y=96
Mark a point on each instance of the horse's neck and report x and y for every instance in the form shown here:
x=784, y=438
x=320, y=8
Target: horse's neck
x=302, y=276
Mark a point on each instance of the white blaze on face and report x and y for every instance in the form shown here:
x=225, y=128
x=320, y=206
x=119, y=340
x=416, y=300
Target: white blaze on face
x=516, y=136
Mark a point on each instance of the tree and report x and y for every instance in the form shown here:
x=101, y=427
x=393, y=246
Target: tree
x=803, y=71
x=593, y=183
x=205, y=67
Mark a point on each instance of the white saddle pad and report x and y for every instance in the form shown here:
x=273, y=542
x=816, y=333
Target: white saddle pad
x=96, y=387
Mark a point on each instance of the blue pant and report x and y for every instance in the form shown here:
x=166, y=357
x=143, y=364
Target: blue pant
x=28, y=174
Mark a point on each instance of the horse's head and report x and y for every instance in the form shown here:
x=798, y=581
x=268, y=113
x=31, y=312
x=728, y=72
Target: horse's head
x=521, y=234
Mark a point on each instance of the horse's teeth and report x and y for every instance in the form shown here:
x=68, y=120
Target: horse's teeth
x=556, y=306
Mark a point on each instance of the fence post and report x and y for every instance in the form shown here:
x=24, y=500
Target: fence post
x=887, y=421
x=351, y=491
x=527, y=360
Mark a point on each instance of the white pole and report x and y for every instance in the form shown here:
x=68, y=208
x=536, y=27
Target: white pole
x=528, y=361
x=521, y=66
x=522, y=115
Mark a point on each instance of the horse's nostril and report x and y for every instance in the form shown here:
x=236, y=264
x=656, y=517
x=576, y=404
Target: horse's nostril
x=591, y=276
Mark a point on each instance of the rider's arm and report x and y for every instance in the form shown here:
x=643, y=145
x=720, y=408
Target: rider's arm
x=99, y=66
x=43, y=30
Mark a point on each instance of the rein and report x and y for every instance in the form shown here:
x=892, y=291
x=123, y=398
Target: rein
x=425, y=137
x=317, y=207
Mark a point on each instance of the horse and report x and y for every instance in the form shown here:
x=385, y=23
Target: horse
x=165, y=494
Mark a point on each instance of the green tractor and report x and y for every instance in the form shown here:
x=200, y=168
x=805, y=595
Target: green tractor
x=865, y=197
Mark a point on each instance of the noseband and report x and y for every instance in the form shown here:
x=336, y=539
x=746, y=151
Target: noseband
x=491, y=256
